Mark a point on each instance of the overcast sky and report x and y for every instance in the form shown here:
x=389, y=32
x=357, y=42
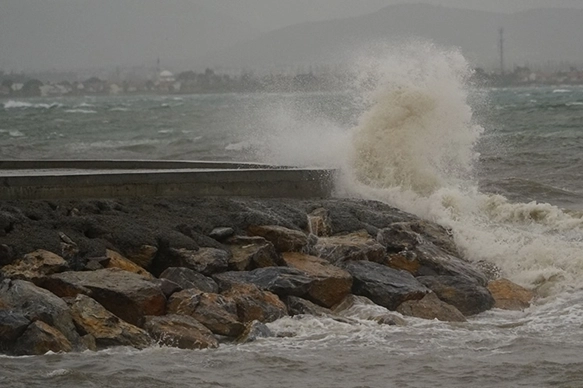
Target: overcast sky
x=73, y=34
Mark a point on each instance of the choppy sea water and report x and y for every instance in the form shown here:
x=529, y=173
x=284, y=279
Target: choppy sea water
x=503, y=168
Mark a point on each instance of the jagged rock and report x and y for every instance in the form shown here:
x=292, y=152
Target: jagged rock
x=467, y=296
x=221, y=234
x=354, y=246
x=319, y=222
x=207, y=261
x=143, y=255
x=217, y=312
x=284, y=239
x=116, y=260
x=95, y=263
x=298, y=306
x=254, y=304
x=180, y=331
x=253, y=331
x=38, y=304
x=12, y=325
x=107, y=329
x=125, y=294
x=187, y=278
x=34, y=265
x=331, y=284
x=385, y=286
x=249, y=253
x=282, y=281
x=40, y=338
x=431, y=307
x=510, y=296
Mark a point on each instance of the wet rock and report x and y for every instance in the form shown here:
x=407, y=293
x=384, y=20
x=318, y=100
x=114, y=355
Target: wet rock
x=168, y=287
x=12, y=325
x=319, y=222
x=207, y=261
x=249, y=253
x=187, y=278
x=431, y=307
x=142, y=255
x=510, y=296
x=254, y=304
x=356, y=306
x=390, y=320
x=284, y=239
x=298, y=306
x=221, y=234
x=107, y=329
x=217, y=312
x=116, y=260
x=282, y=281
x=125, y=294
x=40, y=338
x=34, y=265
x=180, y=331
x=467, y=296
x=385, y=286
x=253, y=331
x=330, y=284
x=354, y=246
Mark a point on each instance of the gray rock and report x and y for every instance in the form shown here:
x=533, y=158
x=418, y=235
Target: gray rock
x=282, y=281
x=253, y=331
x=207, y=261
x=299, y=306
x=431, y=307
x=249, y=253
x=40, y=338
x=284, y=239
x=180, y=331
x=221, y=234
x=187, y=278
x=12, y=325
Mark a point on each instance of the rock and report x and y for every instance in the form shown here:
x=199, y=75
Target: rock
x=88, y=342
x=385, y=286
x=510, y=296
x=249, y=253
x=207, y=261
x=467, y=296
x=390, y=320
x=143, y=255
x=221, y=234
x=431, y=307
x=282, y=281
x=319, y=222
x=180, y=331
x=69, y=248
x=217, y=312
x=37, y=304
x=254, y=304
x=95, y=263
x=40, y=338
x=355, y=306
x=331, y=284
x=125, y=294
x=298, y=306
x=107, y=329
x=116, y=260
x=354, y=246
x=12, y=325
x=187, y=278
x=284, y=239
x=253, y=331
x=168, y=287
x=6, y=255
x=34, y=265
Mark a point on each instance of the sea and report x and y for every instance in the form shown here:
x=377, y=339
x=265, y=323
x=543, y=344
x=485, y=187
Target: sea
x=501, y=167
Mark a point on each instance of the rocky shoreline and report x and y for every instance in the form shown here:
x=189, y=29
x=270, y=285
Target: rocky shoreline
x=193, y=273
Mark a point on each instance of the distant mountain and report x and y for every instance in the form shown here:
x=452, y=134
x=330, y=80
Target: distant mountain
x=535, y=36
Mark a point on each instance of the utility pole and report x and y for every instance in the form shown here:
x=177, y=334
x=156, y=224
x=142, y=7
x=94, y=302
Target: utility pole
x=501, y=45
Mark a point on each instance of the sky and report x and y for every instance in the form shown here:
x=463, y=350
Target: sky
x=75, y=34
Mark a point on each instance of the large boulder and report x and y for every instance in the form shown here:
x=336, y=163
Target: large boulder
x=40, y=338
x=467, y=296
x=282, y=281
x=207, y=261
x=12, y=325
x=107, y=329
x=356, y=306
x=331, y=284
x=254, y=304
x=217, y=312
x=127, y=295
x=248, y=253
x=510, y=296
x=253, y=331
x=354, y=246
x=431, y=307
x=385, y=286
x=180, y=331
x=300, y=306
x=187, y=278
x=284, y=239
x=34, y=265
x=116, y=260
x=142, y=255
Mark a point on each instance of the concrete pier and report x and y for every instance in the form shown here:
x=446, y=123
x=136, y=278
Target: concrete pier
x=78, y=179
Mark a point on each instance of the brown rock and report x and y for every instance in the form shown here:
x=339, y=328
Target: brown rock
x=331, y=284
x=142, y=256
x=107, y=329
x=254, y=304
x=207, y=261
x=510, y=296
x=217, y=312
x=40, y=338
x=354, y=246
x=116, y=260
x=34, y=265
x=468, y=296
x=320, y=223
x=253, y=331
x=125, y=294
x=249, y=253
x=187, y=278
x=284, y=239
x=297, y=306
x=431, y=307
x=180, y=331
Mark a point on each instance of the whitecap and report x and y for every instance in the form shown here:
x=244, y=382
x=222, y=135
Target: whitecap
x=240, y=146
x=562, y=91
x=85, y=111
